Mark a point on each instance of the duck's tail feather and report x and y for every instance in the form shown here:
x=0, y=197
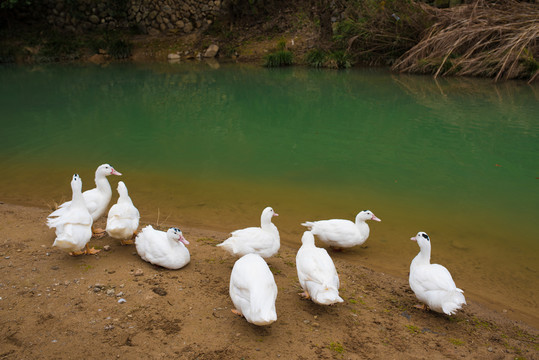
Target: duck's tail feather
x=454, y=302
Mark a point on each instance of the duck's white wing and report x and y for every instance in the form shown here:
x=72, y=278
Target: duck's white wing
x=123, y=216
x=433, y=277
x=69, y=215
x=151, y=244
x=334, y=227
x=316, y=265
x=248, y=241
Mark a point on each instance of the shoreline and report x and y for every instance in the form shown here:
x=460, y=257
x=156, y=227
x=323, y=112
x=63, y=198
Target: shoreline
x=58, y=306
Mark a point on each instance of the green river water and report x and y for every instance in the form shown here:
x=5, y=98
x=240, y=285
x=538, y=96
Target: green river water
x=210, y=148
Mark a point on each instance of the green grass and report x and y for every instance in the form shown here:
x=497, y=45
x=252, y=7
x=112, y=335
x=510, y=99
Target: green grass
x=279, y=58
x=456, y=342
x=413, y=329
x=337, y=347
x=316, y=58
x=120, y=49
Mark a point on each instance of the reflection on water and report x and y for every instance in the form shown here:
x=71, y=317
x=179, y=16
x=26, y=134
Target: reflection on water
x=210, y=148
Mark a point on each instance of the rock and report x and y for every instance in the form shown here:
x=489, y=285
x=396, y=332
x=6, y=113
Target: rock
x=214, y=64
x=94, y=19
x=211, y=51
x=138, y=272
x=173, y=57
x=121, y=301
x=188, y=27
x=110, y=292
x=180, y=24
x=106, y=247
x=153, y=32
x=97, y=59
x=159, y=291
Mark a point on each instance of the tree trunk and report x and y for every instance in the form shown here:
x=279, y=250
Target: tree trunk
x=323, y=11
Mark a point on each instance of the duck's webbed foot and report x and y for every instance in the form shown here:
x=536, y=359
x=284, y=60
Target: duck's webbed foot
x=234, y=311
x=91, y=251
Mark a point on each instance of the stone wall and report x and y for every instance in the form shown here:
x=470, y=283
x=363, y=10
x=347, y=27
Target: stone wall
x=146, y=16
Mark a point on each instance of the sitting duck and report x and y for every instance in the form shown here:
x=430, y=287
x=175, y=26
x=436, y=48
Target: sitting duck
x=96, y=199
x=316, y=272
x=253, y=290
x=432, y=283
x=263, y=240
x=339, y=233
x=74, y=225
x=123, y=218
x=166, y=249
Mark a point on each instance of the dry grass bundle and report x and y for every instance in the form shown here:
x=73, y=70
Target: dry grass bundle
x=493, y=39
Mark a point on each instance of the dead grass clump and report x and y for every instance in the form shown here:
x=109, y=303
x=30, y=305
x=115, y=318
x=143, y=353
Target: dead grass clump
x=493, y=39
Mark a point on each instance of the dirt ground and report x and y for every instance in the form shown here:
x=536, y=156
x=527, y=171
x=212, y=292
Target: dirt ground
x=54, y=306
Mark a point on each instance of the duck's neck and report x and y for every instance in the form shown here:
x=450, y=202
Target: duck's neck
x=363, y=227
x=124, y=198
x=102, y=184
x=423, y=258
x=269, y=226
x=77, y=198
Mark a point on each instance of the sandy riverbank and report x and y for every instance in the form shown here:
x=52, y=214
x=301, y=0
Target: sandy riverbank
x=56, y=306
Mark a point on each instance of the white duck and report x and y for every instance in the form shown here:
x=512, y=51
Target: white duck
x=253, y=290
x=96, y=199
x=123, y=218
x=339, y=233
x=263, y=240
x=74, y=225
x=432, y=283
x=161, y=248
x=316, y=272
